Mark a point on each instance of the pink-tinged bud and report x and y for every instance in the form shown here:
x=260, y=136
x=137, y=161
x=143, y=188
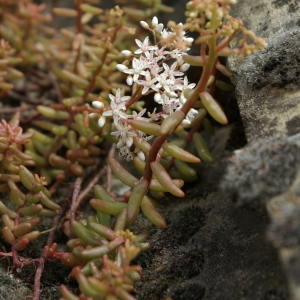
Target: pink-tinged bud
x=69, y=260
x=21, y=244
x=213, y=108
x=151, y=213
x=165, y=180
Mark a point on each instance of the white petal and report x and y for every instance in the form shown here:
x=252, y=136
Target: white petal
x=138, y=42
x=107, y=113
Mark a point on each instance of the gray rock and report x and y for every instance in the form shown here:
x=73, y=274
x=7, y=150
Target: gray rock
x=268, y=83
x=267, y=172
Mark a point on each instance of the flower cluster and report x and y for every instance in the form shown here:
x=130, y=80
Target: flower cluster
x=150, y=73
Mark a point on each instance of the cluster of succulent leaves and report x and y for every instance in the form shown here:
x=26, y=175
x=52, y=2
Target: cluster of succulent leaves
x=65, y=135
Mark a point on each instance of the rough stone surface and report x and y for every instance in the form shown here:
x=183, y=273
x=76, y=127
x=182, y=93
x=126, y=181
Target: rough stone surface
x=262, y=170
x=268, y=89
x=230, y=256
x=267, y=171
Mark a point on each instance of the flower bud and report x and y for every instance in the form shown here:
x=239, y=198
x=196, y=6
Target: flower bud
x=154, y=22
x=144, y=24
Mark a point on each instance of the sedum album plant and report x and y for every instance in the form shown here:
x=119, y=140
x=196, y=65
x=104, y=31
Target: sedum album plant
x=117, y=80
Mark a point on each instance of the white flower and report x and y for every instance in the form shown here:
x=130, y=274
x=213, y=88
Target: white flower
x=144, y=46
x=118, y=99
x=165, y=33
x=154, y=116
x=137, y=69
x=138, y=116
x=171, y=71
x=148, y=83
